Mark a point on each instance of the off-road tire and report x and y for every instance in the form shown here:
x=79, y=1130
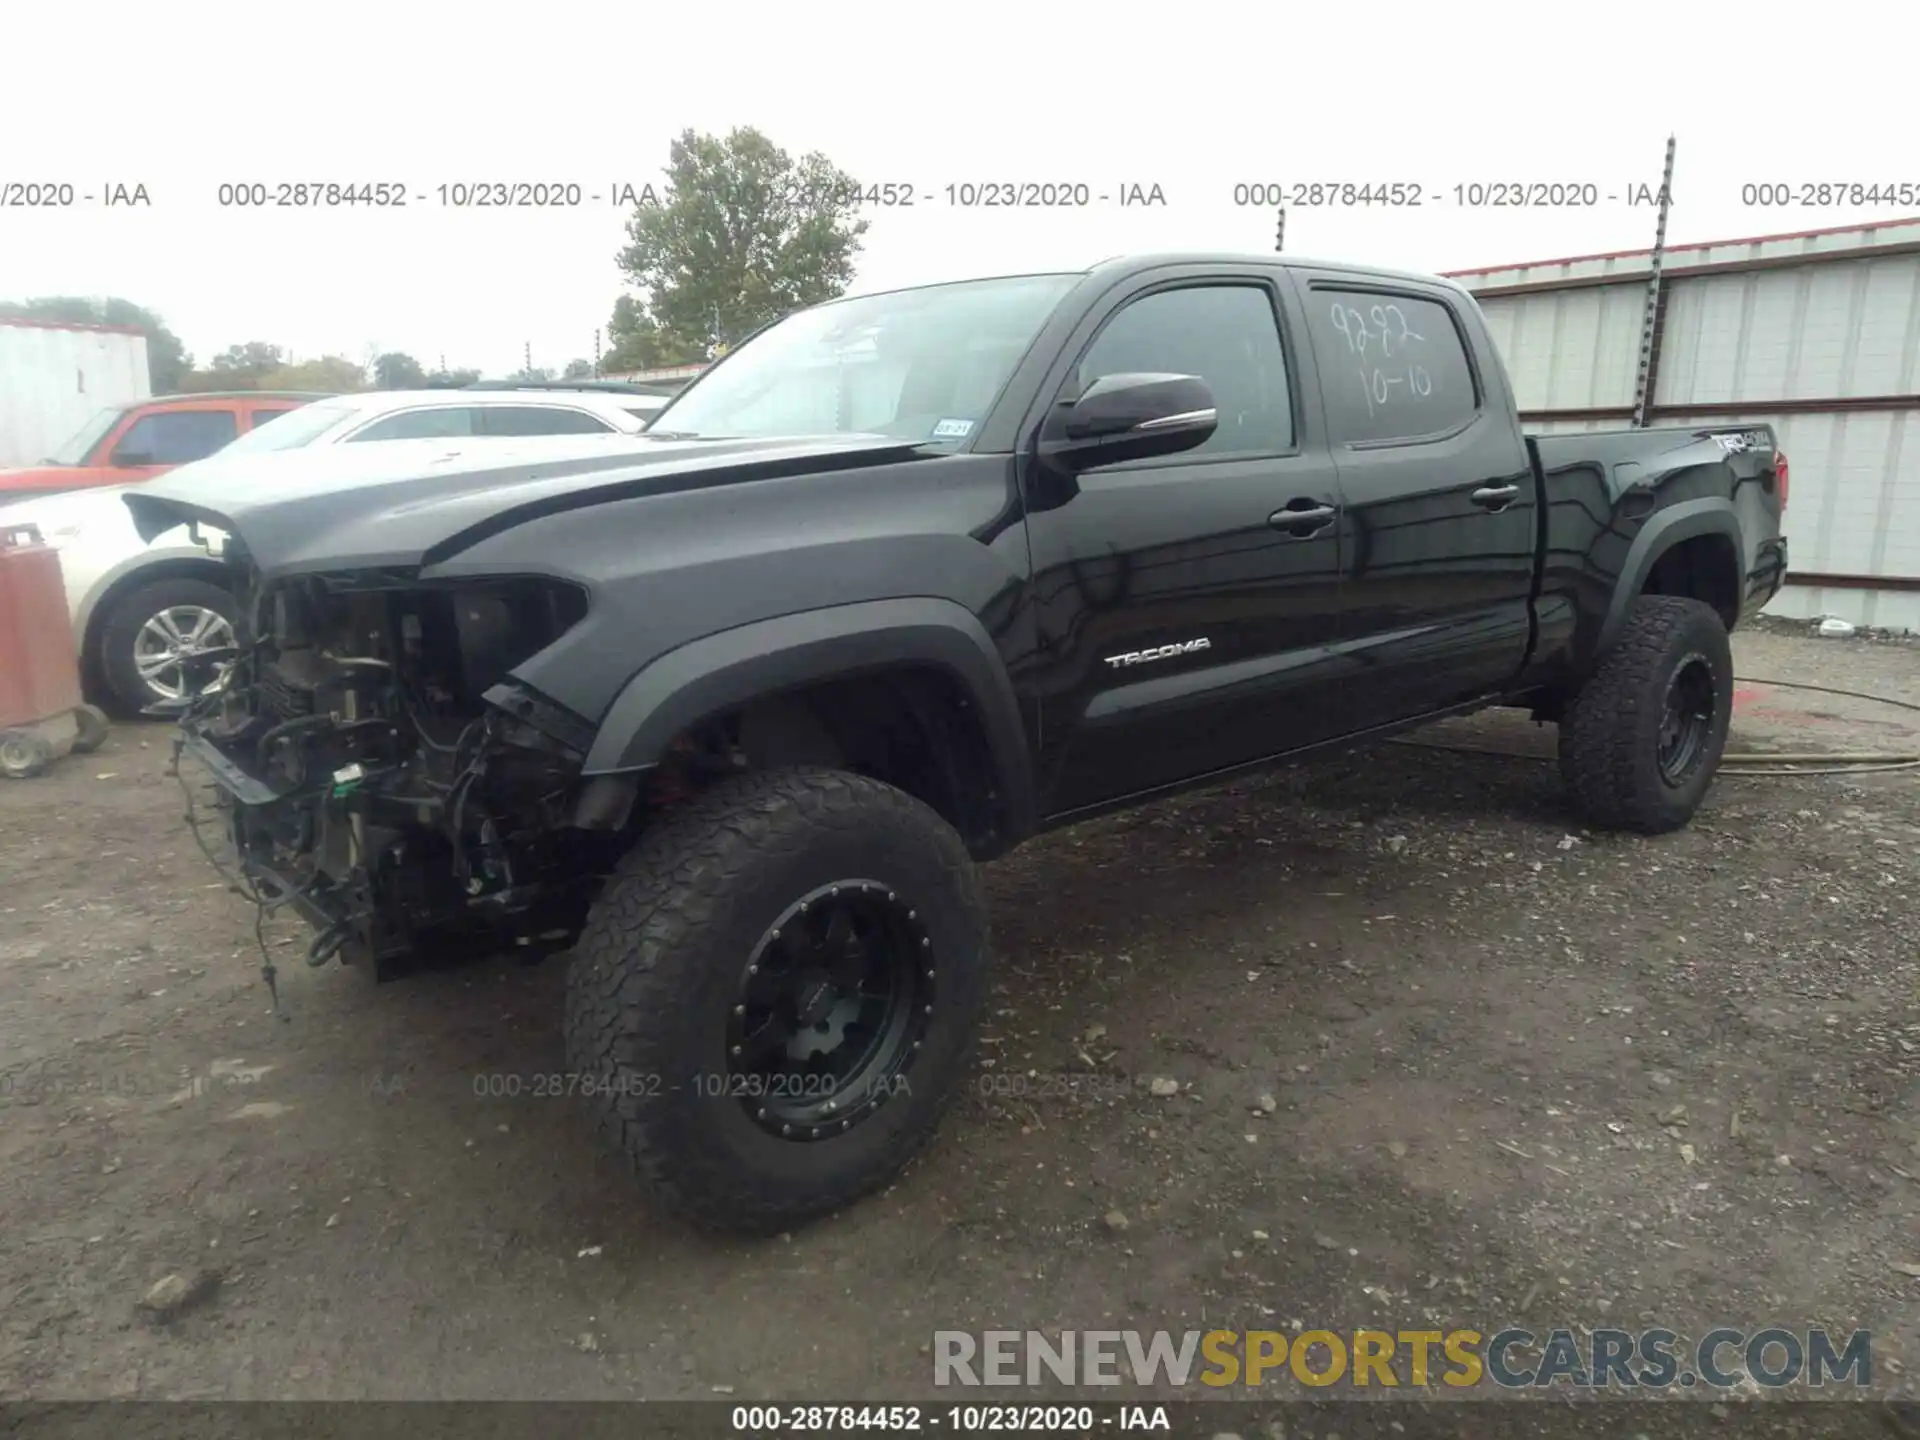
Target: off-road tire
x=128, y=693
x=652, y=982
x=1609, y=735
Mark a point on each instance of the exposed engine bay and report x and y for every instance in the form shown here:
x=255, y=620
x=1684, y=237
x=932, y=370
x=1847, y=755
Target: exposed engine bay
x=366, y=778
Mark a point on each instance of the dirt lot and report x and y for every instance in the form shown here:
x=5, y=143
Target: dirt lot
x=1518, y=1073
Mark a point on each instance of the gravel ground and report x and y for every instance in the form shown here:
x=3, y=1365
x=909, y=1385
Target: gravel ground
x=1441, y=1056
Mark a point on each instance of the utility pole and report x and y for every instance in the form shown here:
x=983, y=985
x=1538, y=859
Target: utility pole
x=1650, y=326
x=1280, y=232
x=526, y=367
x=596, y=352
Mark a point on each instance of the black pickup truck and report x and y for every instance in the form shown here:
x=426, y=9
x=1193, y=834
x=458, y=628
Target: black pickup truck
x=901, y=582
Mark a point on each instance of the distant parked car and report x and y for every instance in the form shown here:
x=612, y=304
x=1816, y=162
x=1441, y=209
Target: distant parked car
x=125, y=444
x=446, y=415
x=144, y=612
x=641, y=400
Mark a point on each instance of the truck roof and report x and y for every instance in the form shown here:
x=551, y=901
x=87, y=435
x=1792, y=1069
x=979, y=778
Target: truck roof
x=1126, y=264
x=236, y=395
x=1132, y=264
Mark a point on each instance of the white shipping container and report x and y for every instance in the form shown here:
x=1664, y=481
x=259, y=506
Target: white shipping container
x=56, y=377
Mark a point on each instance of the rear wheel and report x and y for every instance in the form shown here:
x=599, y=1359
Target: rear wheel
x=153, y=640
x=774, y=998
x=1641, y=741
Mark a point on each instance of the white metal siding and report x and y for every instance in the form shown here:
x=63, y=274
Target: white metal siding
x=1837, y=330
x=1841, y=326
x=1846, y=243
x=52, y=381
x=1569, y=349
x=1884, y=609
x=1853, y=506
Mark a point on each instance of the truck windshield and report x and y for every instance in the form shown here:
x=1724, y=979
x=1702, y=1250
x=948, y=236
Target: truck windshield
x=74, y=452
x=290, y=431
x=920, y=365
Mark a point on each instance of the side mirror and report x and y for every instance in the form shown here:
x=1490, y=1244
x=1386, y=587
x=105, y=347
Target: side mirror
x=1129, y=417
x=131, y=459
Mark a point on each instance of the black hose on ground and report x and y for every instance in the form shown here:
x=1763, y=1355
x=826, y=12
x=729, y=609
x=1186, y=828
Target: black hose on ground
x=1742, y=764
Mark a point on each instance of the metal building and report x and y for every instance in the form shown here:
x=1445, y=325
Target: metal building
x=55, y=376
x=1816, y=333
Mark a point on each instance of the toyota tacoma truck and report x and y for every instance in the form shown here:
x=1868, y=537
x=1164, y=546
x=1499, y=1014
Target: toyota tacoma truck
x=901, y=582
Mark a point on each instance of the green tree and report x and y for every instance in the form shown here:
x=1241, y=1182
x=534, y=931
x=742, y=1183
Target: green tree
x=578, y=370
x=744, y=233
x=531, y=375
x=638, y=342
x=241, y=366
x=167, y=360
x=397, y=371
x=332, y=374
x=451, y=379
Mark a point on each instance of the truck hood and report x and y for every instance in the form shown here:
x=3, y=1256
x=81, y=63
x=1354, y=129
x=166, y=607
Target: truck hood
x=406, y=504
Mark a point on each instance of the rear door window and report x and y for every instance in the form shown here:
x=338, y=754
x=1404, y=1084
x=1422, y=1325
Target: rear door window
x=539, y=420
x=1392, y=367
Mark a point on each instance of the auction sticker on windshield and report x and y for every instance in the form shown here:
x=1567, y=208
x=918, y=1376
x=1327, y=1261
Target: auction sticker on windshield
x=953, y=429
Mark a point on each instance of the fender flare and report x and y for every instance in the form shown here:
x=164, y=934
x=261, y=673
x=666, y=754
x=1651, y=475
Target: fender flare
x=748, y=662
x=1667, y=528
x=127, y=573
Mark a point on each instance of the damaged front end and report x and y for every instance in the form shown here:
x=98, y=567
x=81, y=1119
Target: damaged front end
x=376, y=768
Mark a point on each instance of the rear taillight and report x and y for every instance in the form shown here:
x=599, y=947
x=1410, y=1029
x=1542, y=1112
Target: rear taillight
x=1780, y=476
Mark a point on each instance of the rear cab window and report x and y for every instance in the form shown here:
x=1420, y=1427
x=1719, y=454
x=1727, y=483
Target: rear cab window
x=1393, y=367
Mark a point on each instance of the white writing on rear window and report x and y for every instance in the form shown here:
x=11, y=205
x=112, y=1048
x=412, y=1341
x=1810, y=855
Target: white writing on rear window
x=1387, y=350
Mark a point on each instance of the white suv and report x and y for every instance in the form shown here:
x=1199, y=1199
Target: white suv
x=448, y=415
x=142, y=612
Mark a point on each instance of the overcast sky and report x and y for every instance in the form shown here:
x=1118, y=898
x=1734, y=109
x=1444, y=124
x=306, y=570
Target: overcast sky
x=1192, y=98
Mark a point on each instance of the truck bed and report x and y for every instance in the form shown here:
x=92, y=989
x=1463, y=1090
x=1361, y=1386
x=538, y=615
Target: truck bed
x=1612, y=500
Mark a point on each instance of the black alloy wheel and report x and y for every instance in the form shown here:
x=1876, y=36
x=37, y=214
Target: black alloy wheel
x=831, y=1010
x=776, y=993
x=1641, y=738
x=1686, y=720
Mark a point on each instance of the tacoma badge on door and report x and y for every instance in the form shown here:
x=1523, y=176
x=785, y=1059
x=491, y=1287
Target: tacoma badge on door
x=1159, y=652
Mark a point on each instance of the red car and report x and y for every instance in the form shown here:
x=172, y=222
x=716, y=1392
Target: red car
x=126, y=444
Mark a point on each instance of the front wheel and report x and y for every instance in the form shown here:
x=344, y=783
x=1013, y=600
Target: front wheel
x=1641, y=741
x=153, y=641
x=774, y=998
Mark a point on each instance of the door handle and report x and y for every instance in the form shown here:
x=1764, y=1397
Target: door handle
x=1495, y=497
x=1302, y=518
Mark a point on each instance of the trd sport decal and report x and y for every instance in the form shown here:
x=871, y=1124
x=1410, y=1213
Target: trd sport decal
x=1159, y=652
